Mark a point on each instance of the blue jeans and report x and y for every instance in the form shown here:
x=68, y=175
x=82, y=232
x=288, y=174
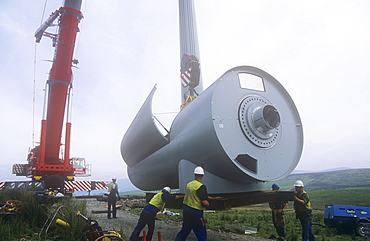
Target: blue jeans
x=192, y=220
x=146, y=218
x=280, y=230
x=307, y=234
x=278, y=221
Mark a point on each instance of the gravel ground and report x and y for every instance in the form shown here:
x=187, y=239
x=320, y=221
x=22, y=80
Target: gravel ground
x=126, y=222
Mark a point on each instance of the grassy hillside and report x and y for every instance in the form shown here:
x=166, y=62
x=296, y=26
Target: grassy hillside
x=259, y=216
x=345, y=187
x=348, y=196
x=352, y=178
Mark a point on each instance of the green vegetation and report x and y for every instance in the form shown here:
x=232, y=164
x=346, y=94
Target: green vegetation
x=259, y=216
x=26, y=223
x=32, y=222
x=349, y=187
x=347, y=196
x=351, y=178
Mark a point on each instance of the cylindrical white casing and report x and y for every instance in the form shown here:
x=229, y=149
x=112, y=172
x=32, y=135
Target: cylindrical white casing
x=218, y=131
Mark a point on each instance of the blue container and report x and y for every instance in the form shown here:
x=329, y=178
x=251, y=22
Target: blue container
x=347, y=217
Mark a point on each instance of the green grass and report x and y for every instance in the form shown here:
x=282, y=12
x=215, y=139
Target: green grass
x=348, y=196
x=27, y=222
x=66, y=211
x=261, y=219
x=32, y=223
x=259, y=216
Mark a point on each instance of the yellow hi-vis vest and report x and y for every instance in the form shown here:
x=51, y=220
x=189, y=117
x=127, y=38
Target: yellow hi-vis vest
x=300, y=207
x=157, y=201
x=191, y=198
x=111, y=185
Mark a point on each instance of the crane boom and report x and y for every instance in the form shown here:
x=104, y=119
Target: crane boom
x=45, y=161
x=60, y=82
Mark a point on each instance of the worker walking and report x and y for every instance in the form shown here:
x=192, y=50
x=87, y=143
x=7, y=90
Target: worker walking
x=147, y=216
x=278, y=209
x=113, y=195
x=195, y=202
x=302, y=206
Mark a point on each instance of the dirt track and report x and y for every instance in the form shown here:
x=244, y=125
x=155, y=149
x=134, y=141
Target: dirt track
x=126, y=221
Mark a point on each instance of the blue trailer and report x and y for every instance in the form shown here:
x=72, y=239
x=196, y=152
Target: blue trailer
x=347, y=217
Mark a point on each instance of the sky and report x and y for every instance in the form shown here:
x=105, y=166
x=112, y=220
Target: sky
x=318, y=50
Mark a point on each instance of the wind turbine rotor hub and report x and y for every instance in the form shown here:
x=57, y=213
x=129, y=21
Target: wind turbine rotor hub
x=259, y=121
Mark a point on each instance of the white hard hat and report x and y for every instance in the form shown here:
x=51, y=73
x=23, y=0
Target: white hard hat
x=114, y=178
x=298, y=183
x=167, y=189
x=199, y=170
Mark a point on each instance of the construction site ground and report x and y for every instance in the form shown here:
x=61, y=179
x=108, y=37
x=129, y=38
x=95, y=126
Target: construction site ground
x=126, y=222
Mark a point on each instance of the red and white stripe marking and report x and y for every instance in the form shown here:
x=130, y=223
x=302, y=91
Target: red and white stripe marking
x=79, y=185
x=185, y=78
x=19, y=168
x=85, y=185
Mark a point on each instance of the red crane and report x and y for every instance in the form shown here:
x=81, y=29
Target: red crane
x=46, y=161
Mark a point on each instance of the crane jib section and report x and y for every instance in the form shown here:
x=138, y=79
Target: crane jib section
x=45, y=159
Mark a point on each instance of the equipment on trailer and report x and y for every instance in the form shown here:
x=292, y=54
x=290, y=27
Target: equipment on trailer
x=347, y=217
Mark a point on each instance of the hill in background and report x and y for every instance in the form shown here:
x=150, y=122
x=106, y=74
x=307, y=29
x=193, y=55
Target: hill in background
x=327, y=180
x=125, y=187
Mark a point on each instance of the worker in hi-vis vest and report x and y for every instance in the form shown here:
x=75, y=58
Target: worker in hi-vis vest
x=113, y=195
x=195, y=202
x=147, y=216
x=303, y=210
